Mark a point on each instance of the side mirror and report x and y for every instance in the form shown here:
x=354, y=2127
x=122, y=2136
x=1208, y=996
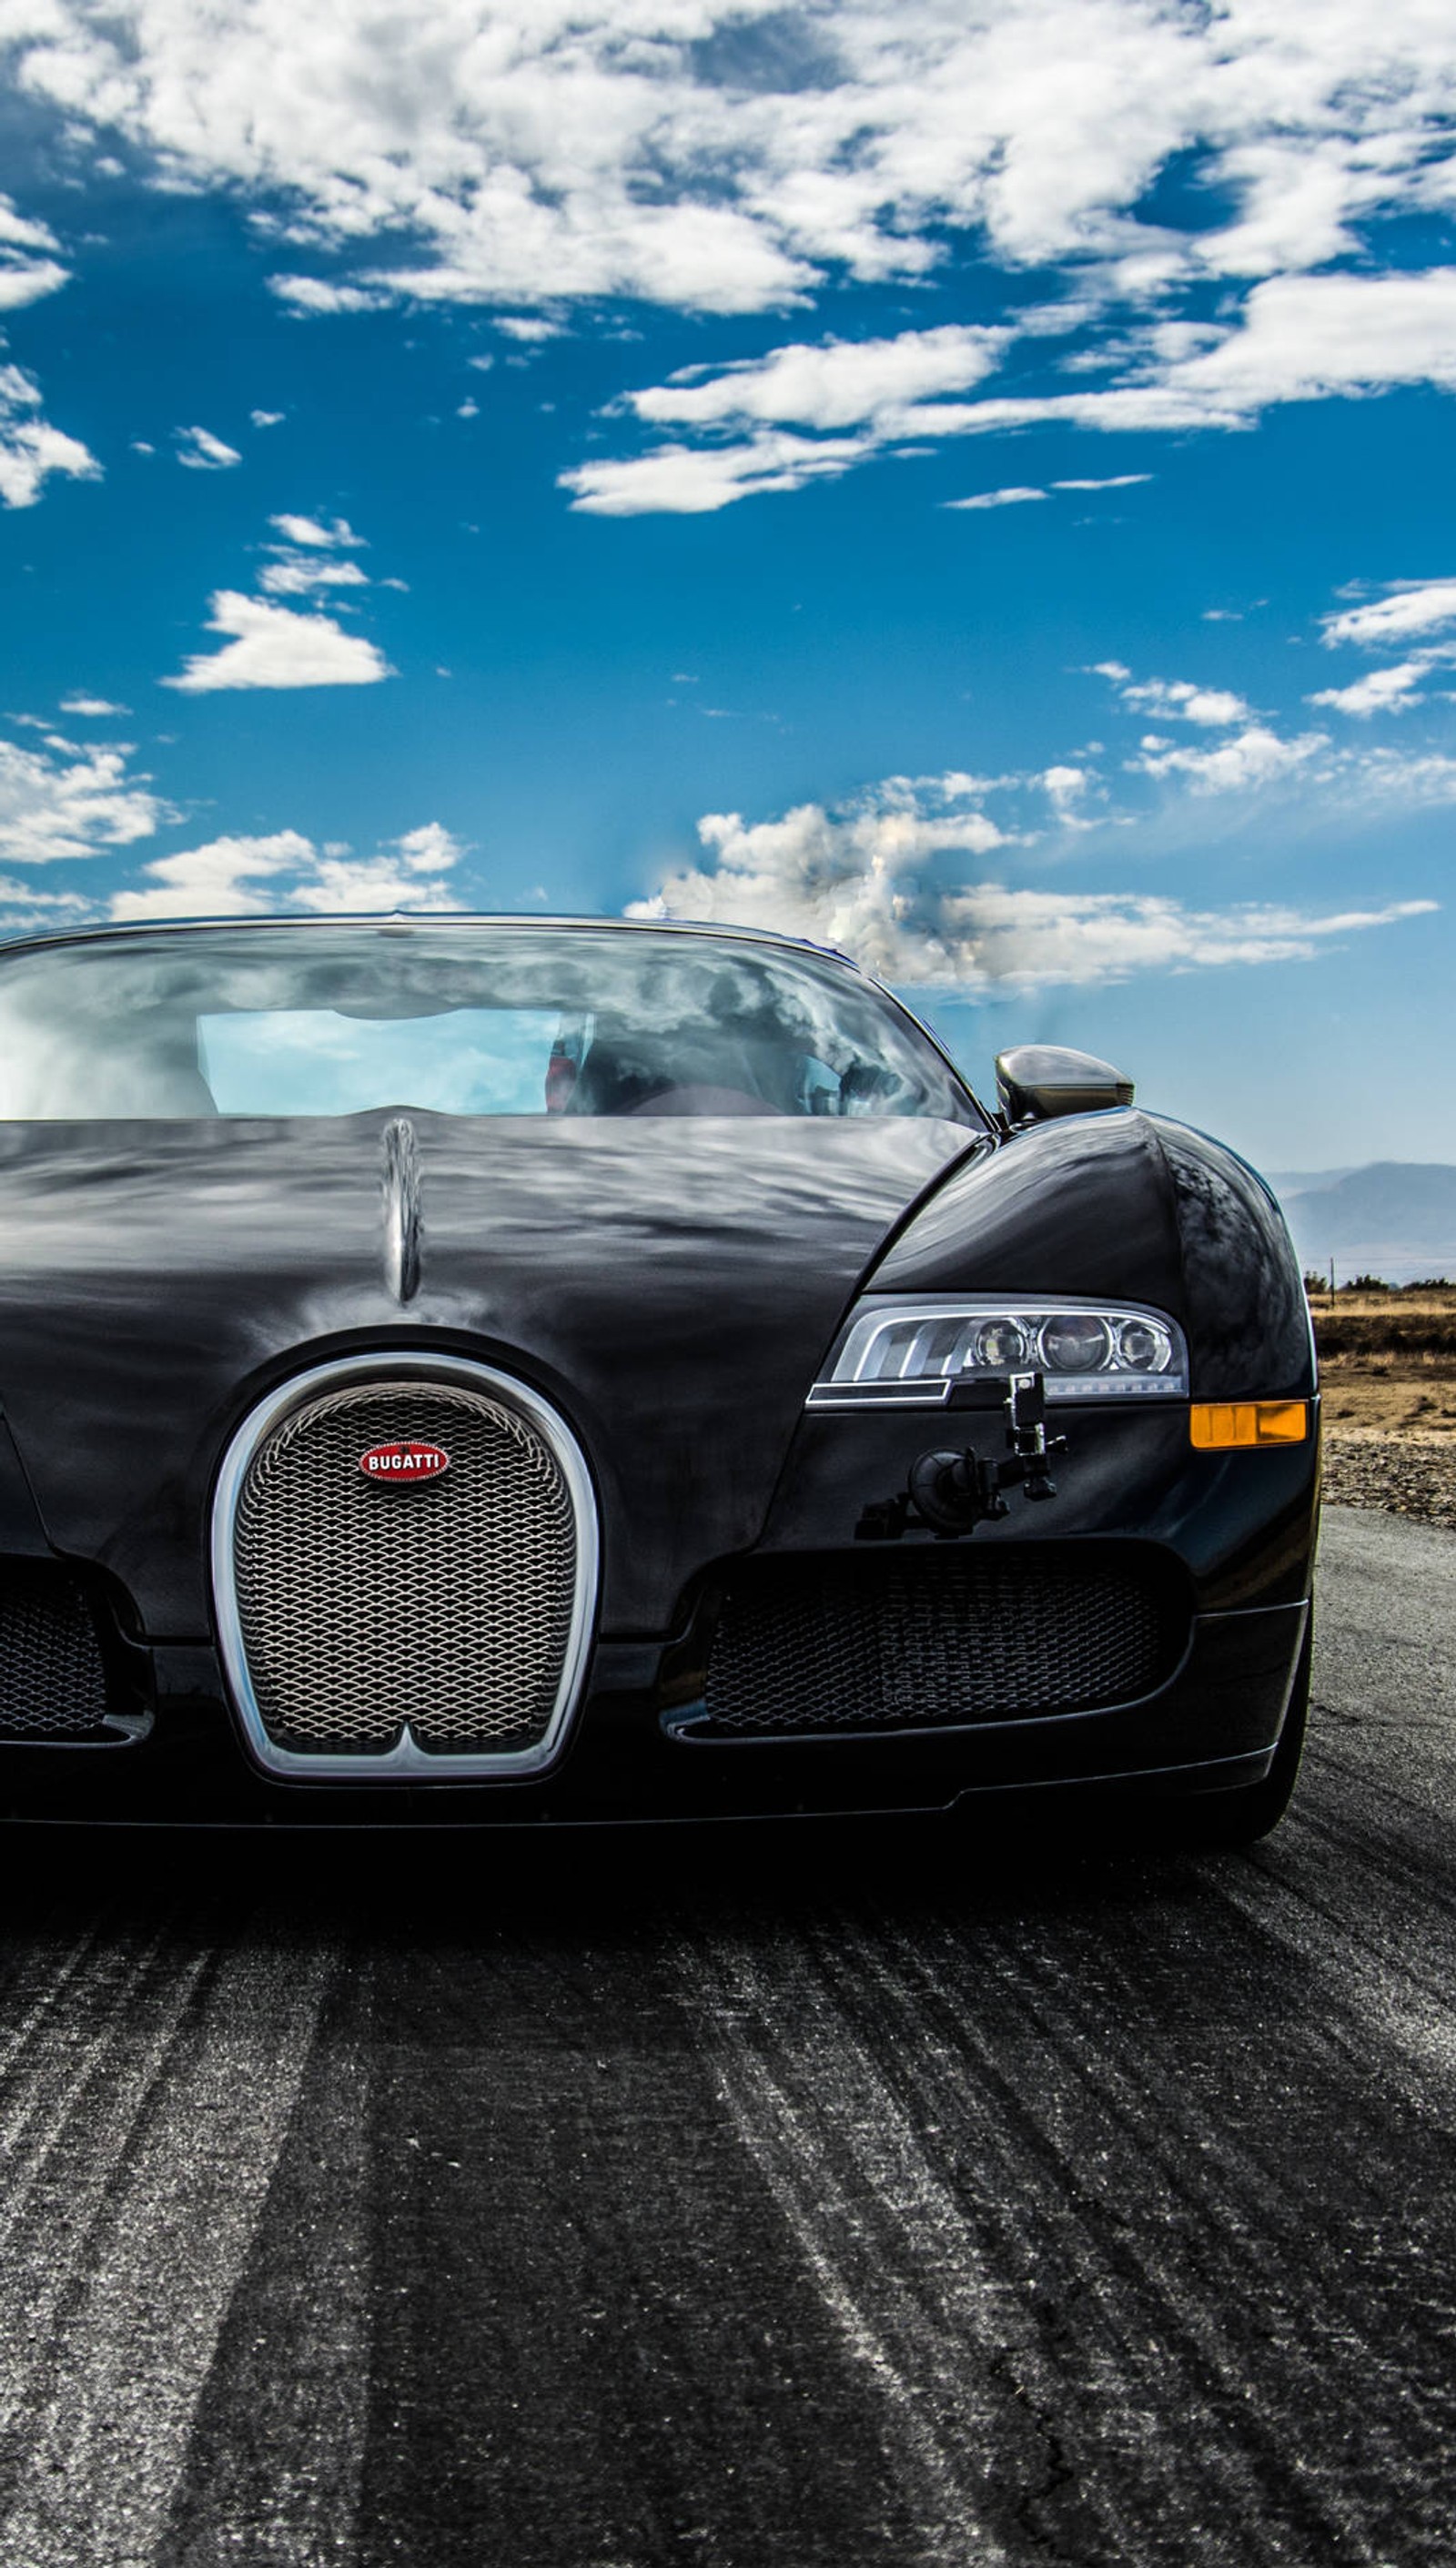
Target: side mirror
x=1039, y=1079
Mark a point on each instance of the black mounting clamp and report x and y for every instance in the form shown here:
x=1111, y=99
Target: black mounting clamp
x=953, y=1492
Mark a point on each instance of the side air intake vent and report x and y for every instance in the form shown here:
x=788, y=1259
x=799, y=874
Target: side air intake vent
x=925, y=1641
x=53, y=1680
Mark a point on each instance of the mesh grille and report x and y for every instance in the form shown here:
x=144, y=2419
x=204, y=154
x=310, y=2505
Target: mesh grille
x=53, y=1683
x=447, y=1604
x=909, y=1643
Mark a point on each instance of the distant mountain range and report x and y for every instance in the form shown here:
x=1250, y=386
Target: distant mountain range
x=1396, y=1218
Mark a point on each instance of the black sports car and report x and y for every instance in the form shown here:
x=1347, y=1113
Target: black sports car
x=474, y=1370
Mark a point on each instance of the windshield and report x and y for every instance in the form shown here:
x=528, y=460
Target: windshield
x=455, y=1019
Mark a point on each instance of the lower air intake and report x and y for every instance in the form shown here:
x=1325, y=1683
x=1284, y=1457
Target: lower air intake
x=927, y=1642
x=53, y=1683
x=426, y=1624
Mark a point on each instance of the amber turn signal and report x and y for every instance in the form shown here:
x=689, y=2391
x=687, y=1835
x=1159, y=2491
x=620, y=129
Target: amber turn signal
x=1215, y=1425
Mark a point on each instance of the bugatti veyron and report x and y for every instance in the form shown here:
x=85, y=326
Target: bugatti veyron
x=471, y=1369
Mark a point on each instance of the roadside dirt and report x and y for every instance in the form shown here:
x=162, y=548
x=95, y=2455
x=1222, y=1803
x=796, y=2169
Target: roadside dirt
x=1388, y=1367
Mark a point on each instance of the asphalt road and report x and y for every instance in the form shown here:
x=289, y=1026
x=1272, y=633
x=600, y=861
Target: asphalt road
x=790, y=2200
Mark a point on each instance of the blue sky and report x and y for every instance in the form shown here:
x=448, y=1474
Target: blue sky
x=972, y=486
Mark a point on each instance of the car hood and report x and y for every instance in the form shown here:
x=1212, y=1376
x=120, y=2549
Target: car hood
x=672, y=1284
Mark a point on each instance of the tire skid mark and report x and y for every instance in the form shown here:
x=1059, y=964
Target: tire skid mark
x=997, y=2224
x=1256, y=2298
x=918, y=2328
x=51, y=1973
x=102, y=2394
x=1164, y=2327
x=593, y=2341
x=274, y=2465
x=68, y=2100
x=1030, y=2190
x=1353, y=1813
x=1382, y=1967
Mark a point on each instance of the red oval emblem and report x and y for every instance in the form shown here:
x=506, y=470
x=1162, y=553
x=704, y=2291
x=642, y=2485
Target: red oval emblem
x=399, y=1464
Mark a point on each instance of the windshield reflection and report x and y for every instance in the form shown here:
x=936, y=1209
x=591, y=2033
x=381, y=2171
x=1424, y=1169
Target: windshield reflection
x=462, y=1017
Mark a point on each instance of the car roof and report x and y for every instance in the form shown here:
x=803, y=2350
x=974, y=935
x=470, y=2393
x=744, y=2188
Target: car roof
x=120, y=930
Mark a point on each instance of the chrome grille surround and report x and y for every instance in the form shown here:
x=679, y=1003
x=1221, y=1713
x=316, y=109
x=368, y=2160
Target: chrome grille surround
x=483, y=1579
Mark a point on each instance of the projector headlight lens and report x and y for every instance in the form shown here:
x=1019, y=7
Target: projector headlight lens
x=915, y=1353
x=999, y=1346
x=1076, y=1342
x=1144, y=1346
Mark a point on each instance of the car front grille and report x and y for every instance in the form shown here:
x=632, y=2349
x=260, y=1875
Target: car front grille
x=52, y=1682
x=927, y=1640
x=449, y=1608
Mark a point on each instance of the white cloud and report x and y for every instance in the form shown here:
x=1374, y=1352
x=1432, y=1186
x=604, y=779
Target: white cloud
x=202, y=451
x=691, y=480
x=1110, y=481
x=725, y=157
x=24, y=276
x=307, y=562
x=1297, y=338
x=24, y=911
x=1380, y=690
x=267, y=418
x=274, y=647
x=833, y=876
x=873, y=384
x=233, y=877
x=1008, y=499
x=1255, y=757
x=1065, y=789
x=1304, y=336
x=408, y=876
x=858, y=880
x=736, y=157
x=219, y=880
x=92, y=705
x=30, y=448
x=26, y=280
x=1415, y=606
x=313, y=530
x=1377, y=776
x=300, y=574
x=18, y=231
x=315, y=294
x=1409, y=610
x=70, y=803
x=839, y=382
x=1175, y=699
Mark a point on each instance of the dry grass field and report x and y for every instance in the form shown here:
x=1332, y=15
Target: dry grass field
x=1387, y=1360
x=1387, y=1368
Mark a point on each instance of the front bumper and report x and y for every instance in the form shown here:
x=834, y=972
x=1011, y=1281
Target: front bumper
x=1215, y=1724
x=1237, y=1532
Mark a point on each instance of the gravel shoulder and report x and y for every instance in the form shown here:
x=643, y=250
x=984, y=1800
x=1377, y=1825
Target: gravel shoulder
x=1405, y=1475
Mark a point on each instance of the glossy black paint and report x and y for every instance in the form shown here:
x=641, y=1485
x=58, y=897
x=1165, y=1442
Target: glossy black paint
x=1211, y=1728
x=1241, y=1523
x=673, y=1287
x=1132, y=1205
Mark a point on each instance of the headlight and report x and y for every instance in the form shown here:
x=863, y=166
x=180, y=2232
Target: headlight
x=915, y=1354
